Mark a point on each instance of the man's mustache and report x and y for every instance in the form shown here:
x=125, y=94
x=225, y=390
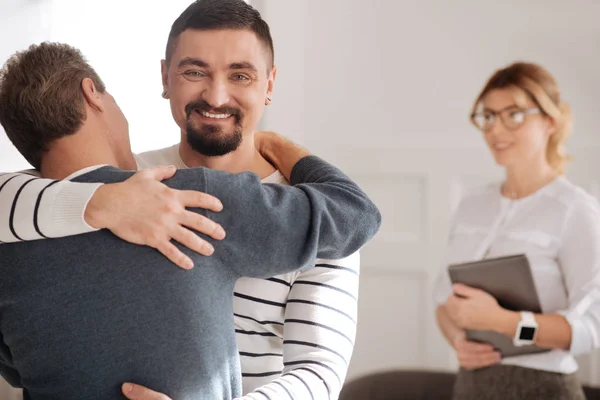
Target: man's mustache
x=202, y=105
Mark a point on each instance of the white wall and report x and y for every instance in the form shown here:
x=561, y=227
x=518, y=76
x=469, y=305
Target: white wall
x=125, y=47
x=125, y=41
x=21, y=24
x=407, y=71
x=287, y=22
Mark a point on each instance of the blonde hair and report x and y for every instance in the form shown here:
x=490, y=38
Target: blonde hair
x=542, y=88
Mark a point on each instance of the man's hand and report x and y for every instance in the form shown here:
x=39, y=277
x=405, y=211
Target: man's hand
x=137, y=392
x=261, y=140
x=473, y=355
x=282, y=153
x=142, y=210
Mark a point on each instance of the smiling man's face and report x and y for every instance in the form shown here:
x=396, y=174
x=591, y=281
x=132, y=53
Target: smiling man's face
x=218, y=82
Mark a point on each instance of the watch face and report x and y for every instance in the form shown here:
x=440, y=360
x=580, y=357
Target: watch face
x=526, y=333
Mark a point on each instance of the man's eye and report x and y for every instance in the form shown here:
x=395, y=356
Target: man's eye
x=194, y=74
x=240, y=77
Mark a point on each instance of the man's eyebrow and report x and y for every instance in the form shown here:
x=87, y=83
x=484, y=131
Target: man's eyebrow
x=243, y=65
x=192, y=62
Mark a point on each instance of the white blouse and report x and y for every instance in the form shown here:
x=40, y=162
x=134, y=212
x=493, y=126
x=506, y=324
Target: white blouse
x=558, y=228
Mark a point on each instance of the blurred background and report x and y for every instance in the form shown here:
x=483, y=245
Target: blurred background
x=383, y=89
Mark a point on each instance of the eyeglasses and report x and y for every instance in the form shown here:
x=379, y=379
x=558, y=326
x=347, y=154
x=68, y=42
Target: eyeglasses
x=511, y=117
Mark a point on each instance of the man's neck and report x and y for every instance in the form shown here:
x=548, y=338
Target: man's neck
x=245, y=158
x=78, y=151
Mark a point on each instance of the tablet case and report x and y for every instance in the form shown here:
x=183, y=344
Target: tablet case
x=510, y=281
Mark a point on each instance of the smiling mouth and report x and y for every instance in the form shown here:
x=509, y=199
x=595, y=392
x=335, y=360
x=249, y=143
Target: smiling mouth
x=207, y=114
x=501, y=146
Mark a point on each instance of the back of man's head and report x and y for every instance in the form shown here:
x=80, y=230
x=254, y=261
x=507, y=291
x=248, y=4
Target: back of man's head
x=207, y=15
x=41, y=99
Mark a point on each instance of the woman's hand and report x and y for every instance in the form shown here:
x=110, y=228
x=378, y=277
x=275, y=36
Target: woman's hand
x=471, y=308
x=473, y=355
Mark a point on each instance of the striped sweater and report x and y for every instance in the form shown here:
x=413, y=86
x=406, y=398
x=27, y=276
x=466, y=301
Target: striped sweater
x=295, y=332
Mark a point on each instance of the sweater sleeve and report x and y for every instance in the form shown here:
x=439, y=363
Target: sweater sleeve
x=33, y=208
x=273, y=229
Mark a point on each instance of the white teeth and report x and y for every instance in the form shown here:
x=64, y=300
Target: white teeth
x=217, y=116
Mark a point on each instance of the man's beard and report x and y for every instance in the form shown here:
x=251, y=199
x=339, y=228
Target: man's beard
x=211, y=140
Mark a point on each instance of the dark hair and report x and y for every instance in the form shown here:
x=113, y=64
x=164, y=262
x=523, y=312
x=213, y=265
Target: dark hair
x=206, y=15
x=41, y=98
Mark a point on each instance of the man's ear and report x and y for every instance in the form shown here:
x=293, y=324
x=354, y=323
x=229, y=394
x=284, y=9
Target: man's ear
x=164, y=70
x=271, y=86
x=92, y=95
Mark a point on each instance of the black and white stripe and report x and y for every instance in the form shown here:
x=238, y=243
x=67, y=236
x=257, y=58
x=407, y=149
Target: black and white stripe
x=11, y=218
x=309, y=325
x=33, y=208
x=36, y=210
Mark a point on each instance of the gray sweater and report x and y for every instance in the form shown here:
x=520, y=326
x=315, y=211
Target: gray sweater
x=80, y=315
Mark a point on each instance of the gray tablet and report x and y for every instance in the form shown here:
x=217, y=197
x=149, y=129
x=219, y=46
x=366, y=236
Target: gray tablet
x=510, y=281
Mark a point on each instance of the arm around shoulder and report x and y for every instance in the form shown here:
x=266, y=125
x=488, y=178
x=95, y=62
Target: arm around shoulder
x=324, y=215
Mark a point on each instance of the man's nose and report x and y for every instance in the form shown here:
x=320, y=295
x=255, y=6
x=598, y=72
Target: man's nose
x=216, y=94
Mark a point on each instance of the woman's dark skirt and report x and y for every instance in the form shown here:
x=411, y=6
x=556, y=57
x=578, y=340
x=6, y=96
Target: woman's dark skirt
x=508, y=382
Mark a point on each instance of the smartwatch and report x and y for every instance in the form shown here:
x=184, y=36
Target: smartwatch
x=526, y=330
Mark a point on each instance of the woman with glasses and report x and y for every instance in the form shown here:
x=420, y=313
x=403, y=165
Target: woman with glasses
x=535, y=211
